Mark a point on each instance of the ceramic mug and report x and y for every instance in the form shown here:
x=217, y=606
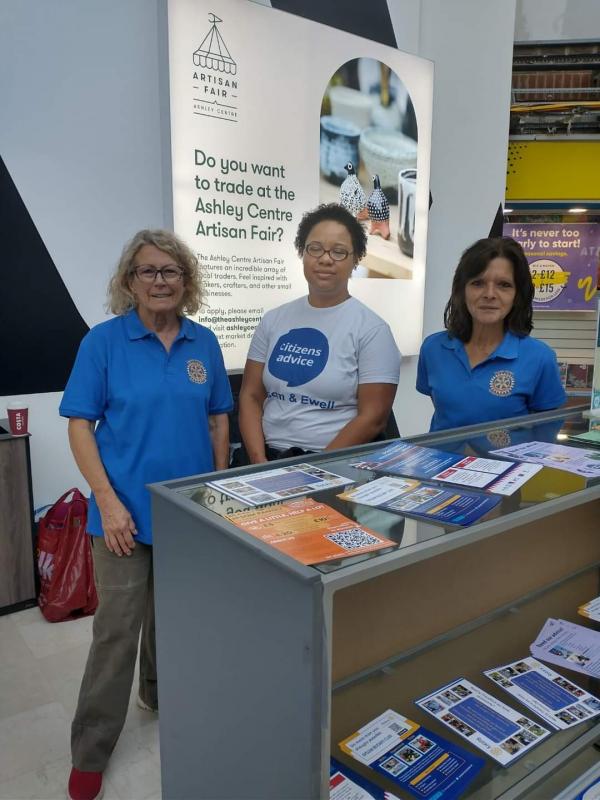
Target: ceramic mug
x=407, y=186
x=351, y=105
x=339, y=145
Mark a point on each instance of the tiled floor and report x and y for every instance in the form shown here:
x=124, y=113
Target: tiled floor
x=41, y=666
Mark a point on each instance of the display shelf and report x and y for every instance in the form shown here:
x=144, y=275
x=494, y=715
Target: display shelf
x=295, y=658
x=501, y=637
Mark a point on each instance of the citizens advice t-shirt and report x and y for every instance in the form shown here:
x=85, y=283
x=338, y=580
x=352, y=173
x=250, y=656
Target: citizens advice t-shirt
x=315, y=359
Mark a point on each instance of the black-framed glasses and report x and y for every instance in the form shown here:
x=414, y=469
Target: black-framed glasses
x=170, y=273
x=337, y=253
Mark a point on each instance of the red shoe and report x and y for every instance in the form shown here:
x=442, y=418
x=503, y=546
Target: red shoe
x=85, y=785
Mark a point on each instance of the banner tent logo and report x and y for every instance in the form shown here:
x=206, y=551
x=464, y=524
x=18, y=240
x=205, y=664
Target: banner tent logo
x=299, y=356
x=215, y=94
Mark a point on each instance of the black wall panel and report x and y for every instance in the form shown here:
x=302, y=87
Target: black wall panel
x=370, y=19
x=40, y=327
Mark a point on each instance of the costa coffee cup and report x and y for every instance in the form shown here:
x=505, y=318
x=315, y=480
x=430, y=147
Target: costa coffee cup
x=18, y=414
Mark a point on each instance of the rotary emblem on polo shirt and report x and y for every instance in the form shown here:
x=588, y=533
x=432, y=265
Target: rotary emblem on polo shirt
x=499, y=438
x=196, y=371
x=502, y=383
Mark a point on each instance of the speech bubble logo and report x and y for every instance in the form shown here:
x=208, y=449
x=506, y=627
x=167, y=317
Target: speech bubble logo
x=299, y=356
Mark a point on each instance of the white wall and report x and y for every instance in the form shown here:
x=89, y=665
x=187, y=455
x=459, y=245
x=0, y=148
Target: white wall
x=557, y=20
x=81, y=135
x=470, y=42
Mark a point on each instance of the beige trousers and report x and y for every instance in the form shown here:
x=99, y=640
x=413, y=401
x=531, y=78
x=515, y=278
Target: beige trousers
x=125, y=588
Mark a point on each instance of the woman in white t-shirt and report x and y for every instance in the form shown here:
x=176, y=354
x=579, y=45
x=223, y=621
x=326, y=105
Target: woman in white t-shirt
x=322, y=370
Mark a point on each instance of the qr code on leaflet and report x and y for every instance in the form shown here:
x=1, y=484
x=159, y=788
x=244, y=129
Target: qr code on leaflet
x=353, y=539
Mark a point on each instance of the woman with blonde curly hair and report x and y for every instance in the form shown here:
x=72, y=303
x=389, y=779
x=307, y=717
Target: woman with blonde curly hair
x=147, y=401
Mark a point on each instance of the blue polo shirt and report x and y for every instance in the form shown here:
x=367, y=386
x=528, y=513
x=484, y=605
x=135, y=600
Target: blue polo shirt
x=521, y=376
x=152, y=407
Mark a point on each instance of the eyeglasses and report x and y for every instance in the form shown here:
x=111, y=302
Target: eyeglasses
x=316, y=250
x=171, y=273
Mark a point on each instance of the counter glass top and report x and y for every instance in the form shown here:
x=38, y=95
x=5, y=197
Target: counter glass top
x=547, y=485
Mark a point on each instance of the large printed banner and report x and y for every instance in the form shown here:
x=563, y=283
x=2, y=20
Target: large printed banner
x=272, y=114
x=563, y=259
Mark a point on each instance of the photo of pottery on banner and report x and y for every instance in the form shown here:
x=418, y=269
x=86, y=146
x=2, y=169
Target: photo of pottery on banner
x=368, y=161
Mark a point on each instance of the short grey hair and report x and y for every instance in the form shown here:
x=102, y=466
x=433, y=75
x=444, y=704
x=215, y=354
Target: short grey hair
x=120, y=297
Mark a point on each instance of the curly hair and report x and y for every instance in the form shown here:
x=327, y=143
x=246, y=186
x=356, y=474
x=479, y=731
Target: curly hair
x=335, y=213
x=120, y=296
x=473, y=262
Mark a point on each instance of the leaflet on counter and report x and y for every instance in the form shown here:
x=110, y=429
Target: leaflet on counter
x=579, y=460
x=499, y=730
x=345, y=784
x=591, y=610
x=556, y=700
x=278, y=484
x=434, y=503
x=308, y=531
x=591, y=437
x=419, y=761
x=568, y=645
x=427, y=463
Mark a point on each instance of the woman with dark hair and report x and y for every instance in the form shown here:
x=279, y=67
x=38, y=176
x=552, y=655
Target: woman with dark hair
x=322, y=370
x=485, y=366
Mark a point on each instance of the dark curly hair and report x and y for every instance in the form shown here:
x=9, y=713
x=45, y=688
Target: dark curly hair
x=473, y=262
x=335, y=213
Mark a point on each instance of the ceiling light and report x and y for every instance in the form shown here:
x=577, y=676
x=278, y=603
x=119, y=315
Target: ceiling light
x=508, y=210
x=577, y=210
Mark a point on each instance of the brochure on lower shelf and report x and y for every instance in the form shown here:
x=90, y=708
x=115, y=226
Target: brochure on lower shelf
x=434, y=503
x=427, y=463
x=556, y=700
x=585, y=787
x=571, y=459
x=308, y=531
x=500, y=731
x=345, y=784
x=568, y=645
x=419, y=761
x=591, y=610
x=278, y=484
x=591, y=791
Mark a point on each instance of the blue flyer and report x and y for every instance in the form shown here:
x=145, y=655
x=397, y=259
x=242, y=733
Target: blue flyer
x=427, y=463
x=401, y=458
x=485, y=722
x=420, y=762
x=345, y=784
x=558, y=701
x=433, y=503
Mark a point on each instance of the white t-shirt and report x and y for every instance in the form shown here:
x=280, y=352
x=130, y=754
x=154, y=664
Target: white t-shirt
x=314, y=359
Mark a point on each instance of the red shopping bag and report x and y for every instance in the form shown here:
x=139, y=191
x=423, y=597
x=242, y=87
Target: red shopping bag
x=66, y=570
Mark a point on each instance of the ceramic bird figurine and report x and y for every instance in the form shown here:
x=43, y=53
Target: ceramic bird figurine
x=379, y=211
x=352, y=195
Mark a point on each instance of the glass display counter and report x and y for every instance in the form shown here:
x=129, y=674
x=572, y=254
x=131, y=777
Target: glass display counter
x=265, y=664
